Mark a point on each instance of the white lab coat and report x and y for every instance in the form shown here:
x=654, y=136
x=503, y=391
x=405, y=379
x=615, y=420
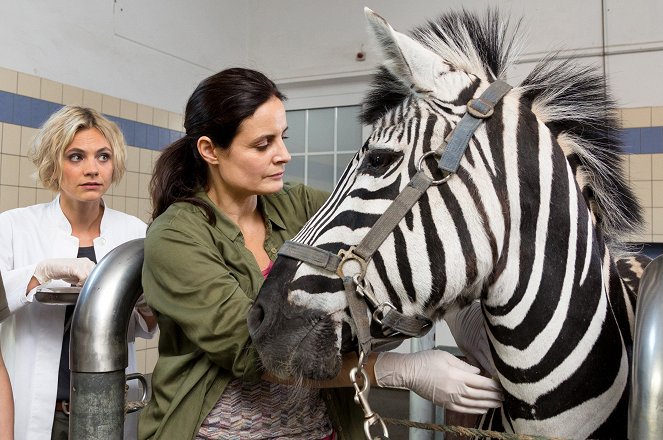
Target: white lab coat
x=31, y=337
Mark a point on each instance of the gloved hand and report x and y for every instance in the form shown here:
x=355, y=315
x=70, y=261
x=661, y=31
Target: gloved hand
x=71, y=270
x=440, y=377
x=468, y=329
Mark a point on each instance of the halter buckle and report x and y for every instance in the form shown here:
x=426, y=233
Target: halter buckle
x=480, y=108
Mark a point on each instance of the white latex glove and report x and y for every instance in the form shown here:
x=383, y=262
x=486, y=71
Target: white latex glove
x=468, y=329
x=440, y=377
x=71, y=270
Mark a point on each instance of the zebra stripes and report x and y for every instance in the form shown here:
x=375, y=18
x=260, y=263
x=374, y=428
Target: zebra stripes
x=532, y=224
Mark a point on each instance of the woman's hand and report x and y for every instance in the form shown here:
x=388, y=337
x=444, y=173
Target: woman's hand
x=71, y=270
x=440, y=377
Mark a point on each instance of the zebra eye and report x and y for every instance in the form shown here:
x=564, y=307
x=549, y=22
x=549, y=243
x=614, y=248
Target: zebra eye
x=379, y=159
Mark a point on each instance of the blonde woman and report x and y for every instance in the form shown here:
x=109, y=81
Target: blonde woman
x=78, y=154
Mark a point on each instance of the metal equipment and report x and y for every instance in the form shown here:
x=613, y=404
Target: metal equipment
x=98, y=355
x=645, y=414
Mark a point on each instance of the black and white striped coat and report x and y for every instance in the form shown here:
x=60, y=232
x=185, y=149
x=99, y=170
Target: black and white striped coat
x=531, y=224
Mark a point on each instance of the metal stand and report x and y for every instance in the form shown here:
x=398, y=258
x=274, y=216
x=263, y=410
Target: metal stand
x=645, y=415
x=98, y=352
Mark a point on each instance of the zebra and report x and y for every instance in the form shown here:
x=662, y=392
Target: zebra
x=534, y=223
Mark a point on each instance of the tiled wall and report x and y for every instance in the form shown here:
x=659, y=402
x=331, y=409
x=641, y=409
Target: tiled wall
x=643, y=143
x=26, y=101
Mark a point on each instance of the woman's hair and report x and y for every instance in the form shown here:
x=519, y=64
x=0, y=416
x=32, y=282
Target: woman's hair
x=57, y=134
x=216, y=109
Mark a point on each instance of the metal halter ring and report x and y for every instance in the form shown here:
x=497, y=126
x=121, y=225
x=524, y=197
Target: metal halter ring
x=348, y=255
x=420, y=168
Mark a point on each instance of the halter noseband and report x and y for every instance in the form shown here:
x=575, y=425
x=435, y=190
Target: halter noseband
x=395, y=325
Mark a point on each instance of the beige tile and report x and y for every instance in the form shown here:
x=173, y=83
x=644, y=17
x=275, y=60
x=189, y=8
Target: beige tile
x=626, y=163
x=72, y=95
x=144, y=186
x=145, y=114
x=140, y=360
x=656, y=116
x=8, y=197
x=120, y=188
x=145, y=160
x=29, y=85
x=151, y=357
x=28, y=135
x=132, y=188
x=657, y=238
x=9, y=170
x=92, y=100
x=161, y=118
x=133, y=159
x=128, y=110
x=643, y=191
x=27, y=173
x=647, y=214
x=617, y=113
x=155, y=157
x=110, y=105
x=144, y=210
x=27, y=196
x=153, y=342
x=11, y=139
x=140, y=344
x=636, y=117
x=119, y=203
x=657, y=221
x=8, y=80
x=175, y=121
x=131, y=206
x=640, y=167
x=44, y=195
x=657, y=193
x=657, y=166
x=51, y=91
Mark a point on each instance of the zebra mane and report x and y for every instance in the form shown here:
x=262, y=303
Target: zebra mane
x=570, y=99
x=573, y=102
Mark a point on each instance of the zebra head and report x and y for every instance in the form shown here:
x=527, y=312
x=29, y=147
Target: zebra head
x=485, y=229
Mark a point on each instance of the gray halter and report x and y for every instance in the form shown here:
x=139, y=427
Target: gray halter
x=395, y=325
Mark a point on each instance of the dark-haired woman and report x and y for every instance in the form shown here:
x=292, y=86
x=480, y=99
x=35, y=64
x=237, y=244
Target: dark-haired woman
x=221, y=211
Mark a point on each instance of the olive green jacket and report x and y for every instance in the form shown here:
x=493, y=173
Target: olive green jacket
x=201, y=281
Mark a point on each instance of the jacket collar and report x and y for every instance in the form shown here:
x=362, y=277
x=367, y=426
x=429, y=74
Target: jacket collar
x=61, y=222
x=230, y=229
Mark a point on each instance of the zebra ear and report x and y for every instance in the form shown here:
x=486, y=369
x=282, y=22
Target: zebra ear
x=407, y=59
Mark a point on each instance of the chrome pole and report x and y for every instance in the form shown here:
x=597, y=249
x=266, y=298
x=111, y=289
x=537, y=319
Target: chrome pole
x=645, y=414
x=98, y=352
x=421, y=410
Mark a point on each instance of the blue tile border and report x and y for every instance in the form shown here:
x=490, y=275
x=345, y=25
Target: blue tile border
x=31, y=112
x=643, y=140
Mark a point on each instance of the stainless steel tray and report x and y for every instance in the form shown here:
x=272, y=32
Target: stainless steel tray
x=57, y=295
